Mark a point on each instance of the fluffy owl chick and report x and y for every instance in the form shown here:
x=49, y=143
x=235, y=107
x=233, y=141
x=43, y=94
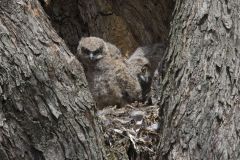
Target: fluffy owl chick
x=109, y=79
x=143, y=62
x=153, y=53
x=140, y=67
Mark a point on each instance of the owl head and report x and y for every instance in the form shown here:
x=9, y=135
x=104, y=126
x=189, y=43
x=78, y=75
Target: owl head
x=141, y=68
x=91, y=49
x=144, y=74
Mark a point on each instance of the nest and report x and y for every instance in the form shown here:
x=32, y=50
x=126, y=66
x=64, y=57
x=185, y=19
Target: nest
x=130, y=132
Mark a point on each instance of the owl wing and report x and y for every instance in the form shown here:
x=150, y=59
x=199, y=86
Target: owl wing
x=113, y=50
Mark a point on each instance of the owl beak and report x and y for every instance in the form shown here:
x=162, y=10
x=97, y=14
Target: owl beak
x=91, y=56
x=144, y=79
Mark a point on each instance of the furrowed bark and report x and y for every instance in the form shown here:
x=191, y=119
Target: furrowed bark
x=199, y=91
x=46, y=110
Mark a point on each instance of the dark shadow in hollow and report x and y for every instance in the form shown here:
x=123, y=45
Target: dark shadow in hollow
x=125, y=23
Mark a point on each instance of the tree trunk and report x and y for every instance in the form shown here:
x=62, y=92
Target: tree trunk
x=46, y=110
x=199, y=92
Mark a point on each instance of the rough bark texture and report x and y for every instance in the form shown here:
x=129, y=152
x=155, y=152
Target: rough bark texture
x=125, y=23
x=46, y=110
x=200, y=88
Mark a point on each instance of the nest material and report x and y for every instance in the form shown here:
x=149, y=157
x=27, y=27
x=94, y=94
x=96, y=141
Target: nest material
x=130, y=132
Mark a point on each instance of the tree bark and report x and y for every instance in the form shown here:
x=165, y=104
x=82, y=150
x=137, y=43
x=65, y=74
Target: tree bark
x=199, y=90
x=125, y=23
x=47, y=112
x=46, y=109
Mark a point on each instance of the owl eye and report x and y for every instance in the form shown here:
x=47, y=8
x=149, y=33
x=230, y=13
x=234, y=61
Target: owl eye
x=85, y=50
x=98, y=51
x=145, y=69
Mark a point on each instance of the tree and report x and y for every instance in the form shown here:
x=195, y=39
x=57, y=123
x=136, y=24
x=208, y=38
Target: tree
x=199, y=81
x=47, y=112
x=46, y=109
x=125, y=23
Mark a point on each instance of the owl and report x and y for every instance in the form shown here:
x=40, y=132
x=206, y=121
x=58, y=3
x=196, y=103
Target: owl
x=108, y=75
x=153, y=53
x=143, y=63
x=140, y=67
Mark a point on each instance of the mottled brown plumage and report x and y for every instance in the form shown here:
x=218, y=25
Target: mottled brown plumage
x=109, y=78
x=143, y=63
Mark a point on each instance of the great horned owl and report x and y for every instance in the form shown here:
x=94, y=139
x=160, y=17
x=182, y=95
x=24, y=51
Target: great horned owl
x=108, y=76
x=143, y=63
x=153, y=53
x=140, y=67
